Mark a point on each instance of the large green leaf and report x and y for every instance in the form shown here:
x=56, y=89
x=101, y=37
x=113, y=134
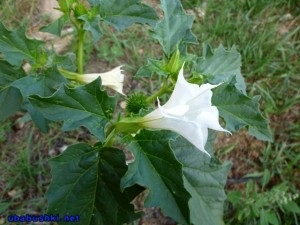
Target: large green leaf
x=10, y=97
x=43, y=84
x=82, y=106
x=156, y=168
x=221, y=65
x=175, y=26
x=16, y=47
x=204, y=180
x=86, y=182
x=239, y=111
x=122, y=14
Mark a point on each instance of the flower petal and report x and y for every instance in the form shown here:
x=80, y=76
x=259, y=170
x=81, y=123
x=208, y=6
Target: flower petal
x=113, y=79
x=188, y=112
x=209, y=118
x=190, y=130
x=183, y=91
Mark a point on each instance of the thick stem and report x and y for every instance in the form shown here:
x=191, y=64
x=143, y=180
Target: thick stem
x=80, y=51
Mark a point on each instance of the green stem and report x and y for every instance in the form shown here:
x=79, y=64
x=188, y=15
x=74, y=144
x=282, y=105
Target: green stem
x=110, y=138
x=160, y=92
x=68, y=74
x=80, y=51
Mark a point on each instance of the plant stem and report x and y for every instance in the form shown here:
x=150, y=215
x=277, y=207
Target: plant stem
x=110, y=138
x=80, y=51
x=160, y=92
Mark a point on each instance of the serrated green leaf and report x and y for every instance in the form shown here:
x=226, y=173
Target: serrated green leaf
x=42, y=84
x=239, y=111
x=56, y=26
x=221, y=65
x=10, y=97
x=174, y=28
x=86, y=106
x=205, y=182
x=86, y=182
x=122, y=14
x=16, y=47
x=156, y=168
x=92, y=25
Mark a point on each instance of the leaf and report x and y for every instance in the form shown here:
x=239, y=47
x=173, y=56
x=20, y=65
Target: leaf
x=221, y=65
x=291, y=207
x=268, y=217
x=152, y=66
x=9, y=73
x=65, y=5
x=66, y=61
x=10, y=97
x=86, y=182
x=10, y=101
x=43, y=84
x=16, y=47
x=204, y=181
x=122, y=14
x=92, y=25
x=86, y=106
x=174, y=28
x=239, y=111
x=55, y=27
x=156, y=168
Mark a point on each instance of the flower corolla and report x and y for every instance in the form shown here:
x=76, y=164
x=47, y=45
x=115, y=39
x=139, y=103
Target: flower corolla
x=188, y=112
x=113, y=79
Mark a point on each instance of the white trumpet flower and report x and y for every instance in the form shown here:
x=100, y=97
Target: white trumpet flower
x=188, y=112
x=113, y=79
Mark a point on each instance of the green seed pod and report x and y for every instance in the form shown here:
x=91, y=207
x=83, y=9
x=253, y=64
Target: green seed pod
x=136, y=102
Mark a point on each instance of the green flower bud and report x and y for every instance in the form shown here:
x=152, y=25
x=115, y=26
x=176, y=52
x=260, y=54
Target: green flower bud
x=174, y=63
x=136, y=102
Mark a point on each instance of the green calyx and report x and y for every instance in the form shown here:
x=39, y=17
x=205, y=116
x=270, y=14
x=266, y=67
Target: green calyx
x=129, y=125
x=69, y=75
x=174, y=64
x=136, y=102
